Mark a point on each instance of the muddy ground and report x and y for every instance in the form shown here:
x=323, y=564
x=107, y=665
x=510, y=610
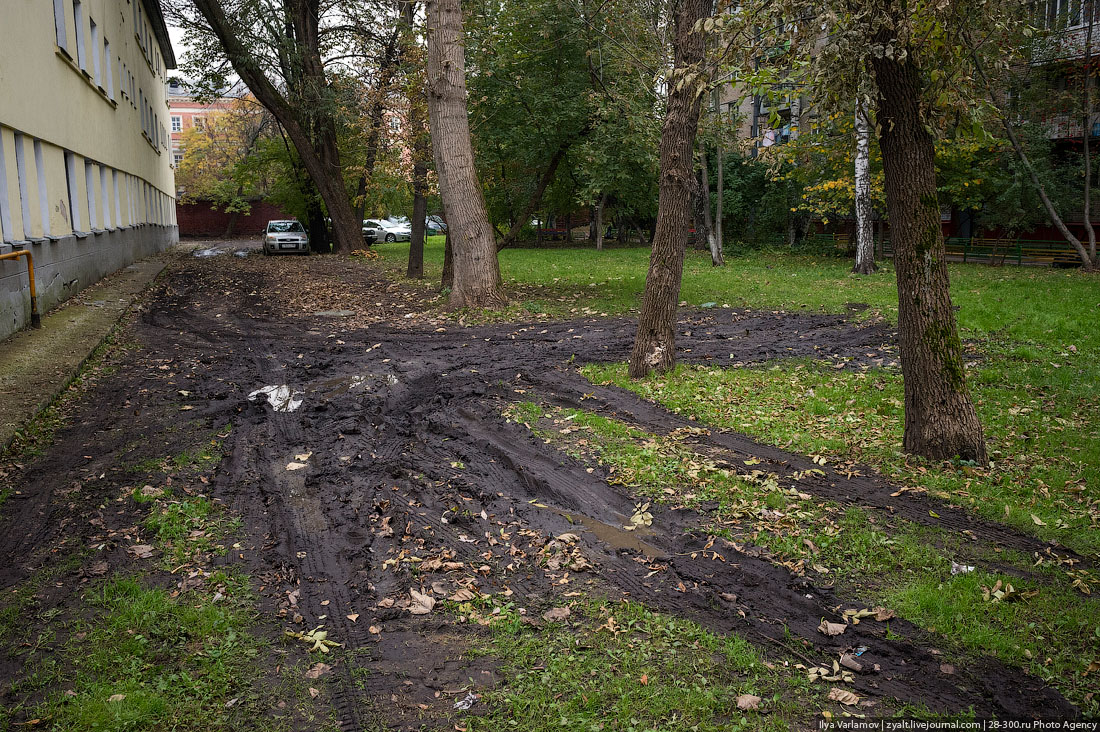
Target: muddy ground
x=410, y=478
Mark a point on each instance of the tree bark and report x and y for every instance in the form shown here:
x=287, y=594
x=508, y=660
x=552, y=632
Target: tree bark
x=599, y=221
x=940, y=420
x=1086, y=128
x=655, y=343
x=865, y=234
x=717, y=254
x=704, y=233
x=447, y=281
x=477, y=280
x=418, y=134
x=319, y=154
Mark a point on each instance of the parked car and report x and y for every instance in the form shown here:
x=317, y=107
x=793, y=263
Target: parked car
x=434, y=225
x=387, y=230
x=285, y=237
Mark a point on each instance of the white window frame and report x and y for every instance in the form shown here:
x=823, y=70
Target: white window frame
x=70, y=181
x=61, y=32
x=97, y=67
x=7, y=233
x=43, y=196
x=24, y=191
x=177, y=123
x=118, y=201
x=103, y=193
x=89, y=183
x=110, y=75
x=78, y=21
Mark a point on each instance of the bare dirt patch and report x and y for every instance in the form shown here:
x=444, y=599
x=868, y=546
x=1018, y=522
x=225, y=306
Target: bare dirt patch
x=395, y=476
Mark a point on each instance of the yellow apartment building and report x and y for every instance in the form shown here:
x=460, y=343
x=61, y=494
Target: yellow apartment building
x=86, y=177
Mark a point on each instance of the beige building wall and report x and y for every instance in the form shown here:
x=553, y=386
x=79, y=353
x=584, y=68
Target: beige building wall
x=86, y=177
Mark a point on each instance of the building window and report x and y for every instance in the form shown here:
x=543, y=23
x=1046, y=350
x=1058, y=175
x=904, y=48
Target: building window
x=97, y=73
x=118, y=201
x=70, y=181
x=89, y=183
x=106, y=199
x=177, y=159
x=59, y=29
x=78, y=21
x=199, y=122
x=110, y=76
x=24, y=191
x=43, y=198
x=6, y=230
x=177, y=123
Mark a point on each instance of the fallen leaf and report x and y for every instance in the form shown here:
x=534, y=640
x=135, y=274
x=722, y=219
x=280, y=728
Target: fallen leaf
x=295, y=466
x=116, y=697
x=141, y=551
x=1038, y=521
x=947, y=668
x=318, y=670
x=462, y=595
x=843, y=696
x=352, y=617
x=555, y=614
x=374, y=630
x=644, y=680
x=748, y=702
x=313, y=692
x=421, y=604
x=832, y=628
x=882, y=614
x=303, y=457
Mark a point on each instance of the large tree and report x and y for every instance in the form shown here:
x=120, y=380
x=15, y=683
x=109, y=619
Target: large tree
x=654, y=344
x=476, y=272
x=276, y=50
x=919, y=60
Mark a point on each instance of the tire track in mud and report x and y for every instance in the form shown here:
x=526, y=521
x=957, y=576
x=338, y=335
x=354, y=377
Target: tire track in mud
x=435, y=402
x=409, y=451
x=863, y=488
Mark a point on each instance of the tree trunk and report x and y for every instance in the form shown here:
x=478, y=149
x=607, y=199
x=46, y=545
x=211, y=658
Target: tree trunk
x=865, y=235
x=447, y=281
x=477, y=280
x=322, y=162
x=717, y=254
x=418, y=134
x=655, y=345
x=940, y=420
x=599, y=221
x=704, y=233
x=1086, y=126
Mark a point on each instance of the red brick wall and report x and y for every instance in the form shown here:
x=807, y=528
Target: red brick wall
x=199, y=219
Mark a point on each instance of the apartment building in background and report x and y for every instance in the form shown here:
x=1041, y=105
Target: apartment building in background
x=185, y=112
x=86, y=178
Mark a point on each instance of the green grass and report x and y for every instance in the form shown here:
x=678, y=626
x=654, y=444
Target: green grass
x=654, y=672
x=1045, y=450
x=143, y=660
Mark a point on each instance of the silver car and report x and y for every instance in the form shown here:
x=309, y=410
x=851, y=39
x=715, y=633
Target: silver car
x=285, y=237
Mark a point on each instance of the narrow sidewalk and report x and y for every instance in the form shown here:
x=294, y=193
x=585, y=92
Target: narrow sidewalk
x=36, y=364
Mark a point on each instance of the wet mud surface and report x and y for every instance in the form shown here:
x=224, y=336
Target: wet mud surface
x=408, y=477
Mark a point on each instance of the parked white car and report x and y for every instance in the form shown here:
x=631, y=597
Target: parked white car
x=285, y=237
x=388, y=230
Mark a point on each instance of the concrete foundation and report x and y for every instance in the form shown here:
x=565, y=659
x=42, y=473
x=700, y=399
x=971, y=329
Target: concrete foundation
x=64, y=267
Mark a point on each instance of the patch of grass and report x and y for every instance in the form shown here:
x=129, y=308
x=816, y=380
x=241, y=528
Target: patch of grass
x=186, y=526
x=146, y=661
x=652, y=672
x=1046, y=450
x=1052, y=634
